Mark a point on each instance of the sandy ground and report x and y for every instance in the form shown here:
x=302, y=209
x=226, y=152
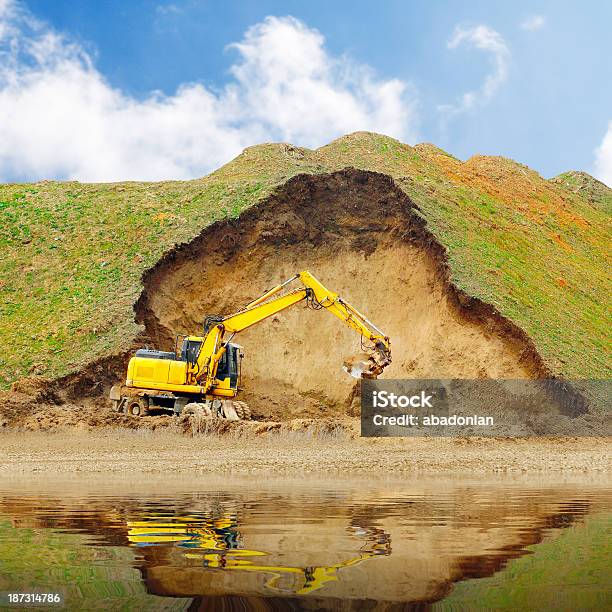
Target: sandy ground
x=291, y=453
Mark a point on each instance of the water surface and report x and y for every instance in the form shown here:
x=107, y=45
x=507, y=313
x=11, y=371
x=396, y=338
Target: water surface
x=308, y=545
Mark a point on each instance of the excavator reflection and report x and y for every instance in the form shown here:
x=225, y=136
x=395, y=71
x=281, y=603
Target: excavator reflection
x=216, y=542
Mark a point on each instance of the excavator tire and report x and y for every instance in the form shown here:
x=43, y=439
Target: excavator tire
x=137, y=406
x=243, y=411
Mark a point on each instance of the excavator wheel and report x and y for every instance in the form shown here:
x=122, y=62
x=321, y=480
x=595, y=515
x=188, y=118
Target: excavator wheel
x=243, y=411
x=137, y=406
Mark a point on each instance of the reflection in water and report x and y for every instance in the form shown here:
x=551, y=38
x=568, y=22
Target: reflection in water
x=300, y=546
x=215, y=542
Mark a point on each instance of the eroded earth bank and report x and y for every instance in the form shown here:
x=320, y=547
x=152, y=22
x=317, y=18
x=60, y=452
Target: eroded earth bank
x=363, y=238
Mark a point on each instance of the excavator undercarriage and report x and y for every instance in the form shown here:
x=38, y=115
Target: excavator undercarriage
x=143, y=402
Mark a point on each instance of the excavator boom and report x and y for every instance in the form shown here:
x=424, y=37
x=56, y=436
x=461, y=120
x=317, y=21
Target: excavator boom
x=378, y=355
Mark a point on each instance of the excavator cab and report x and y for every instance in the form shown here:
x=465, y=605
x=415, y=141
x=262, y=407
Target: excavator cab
x=228, y=369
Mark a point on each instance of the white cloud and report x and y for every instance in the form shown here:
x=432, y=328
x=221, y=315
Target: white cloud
x=533, y=23
x=603, y=158
x=295, y=89
x=59, y=117
x=485, y=39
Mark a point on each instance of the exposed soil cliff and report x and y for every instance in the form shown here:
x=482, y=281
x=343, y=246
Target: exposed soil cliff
x=363, y=238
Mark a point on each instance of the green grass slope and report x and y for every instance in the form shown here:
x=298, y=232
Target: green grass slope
x=72, y=254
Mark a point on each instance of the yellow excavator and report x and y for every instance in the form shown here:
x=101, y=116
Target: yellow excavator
x=203, y=373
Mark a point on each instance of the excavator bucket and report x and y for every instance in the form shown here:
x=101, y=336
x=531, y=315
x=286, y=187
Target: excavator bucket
x=357, y=365
x=368, y=364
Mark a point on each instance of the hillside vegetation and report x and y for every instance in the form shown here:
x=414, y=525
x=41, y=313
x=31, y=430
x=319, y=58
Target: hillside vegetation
x=73, y=254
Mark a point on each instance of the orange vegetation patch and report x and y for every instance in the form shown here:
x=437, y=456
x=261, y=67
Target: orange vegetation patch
x=511, y=183
x=564, y=245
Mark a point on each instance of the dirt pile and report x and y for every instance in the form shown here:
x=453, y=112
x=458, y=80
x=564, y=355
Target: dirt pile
x=363, y=238
x=33, y=406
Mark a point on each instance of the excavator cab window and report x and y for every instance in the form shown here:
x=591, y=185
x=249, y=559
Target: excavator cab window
x=190, y=350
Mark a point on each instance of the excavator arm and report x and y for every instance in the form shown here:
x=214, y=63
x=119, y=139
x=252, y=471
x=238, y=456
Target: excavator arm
x=273, y=301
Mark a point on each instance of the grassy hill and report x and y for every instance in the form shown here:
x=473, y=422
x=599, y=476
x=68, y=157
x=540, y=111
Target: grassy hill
x=72, y=254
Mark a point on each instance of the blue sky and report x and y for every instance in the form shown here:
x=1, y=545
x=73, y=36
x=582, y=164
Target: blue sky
x=548, y=102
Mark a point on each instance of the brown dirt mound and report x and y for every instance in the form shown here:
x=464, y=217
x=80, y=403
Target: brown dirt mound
x=363, y=238
x=33, y=413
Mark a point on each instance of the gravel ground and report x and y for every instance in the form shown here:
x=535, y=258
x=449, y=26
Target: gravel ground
x=291, y=453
